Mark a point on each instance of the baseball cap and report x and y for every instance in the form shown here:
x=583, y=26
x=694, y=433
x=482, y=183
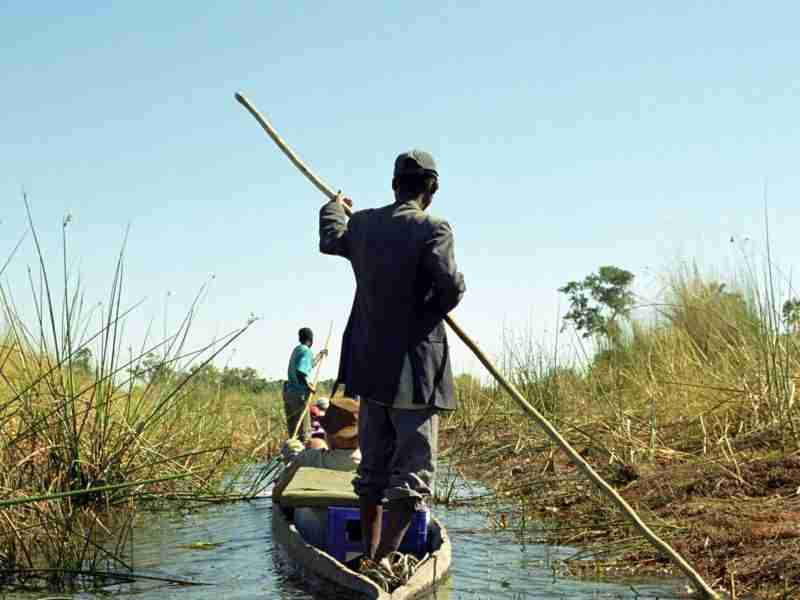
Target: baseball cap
x=414, y=162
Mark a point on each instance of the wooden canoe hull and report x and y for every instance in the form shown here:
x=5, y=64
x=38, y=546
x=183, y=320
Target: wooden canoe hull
x=428, y=575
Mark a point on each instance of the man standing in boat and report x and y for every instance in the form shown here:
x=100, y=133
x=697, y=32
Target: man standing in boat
x=394, y=350
x=298, y=385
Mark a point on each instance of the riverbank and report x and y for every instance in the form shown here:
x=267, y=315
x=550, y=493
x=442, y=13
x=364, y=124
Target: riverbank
x=691, y=416
x=738, y=528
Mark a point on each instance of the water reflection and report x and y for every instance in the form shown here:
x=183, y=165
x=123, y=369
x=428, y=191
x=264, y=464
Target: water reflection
x=490, y=564
x=230, y=548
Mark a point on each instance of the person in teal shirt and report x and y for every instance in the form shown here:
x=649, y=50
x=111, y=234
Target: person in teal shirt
x=298, y=385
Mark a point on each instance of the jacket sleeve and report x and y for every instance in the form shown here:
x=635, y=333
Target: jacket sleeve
x=438, y=259
x=333, y=230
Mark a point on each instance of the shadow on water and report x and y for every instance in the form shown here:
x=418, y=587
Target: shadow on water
x=229, y=547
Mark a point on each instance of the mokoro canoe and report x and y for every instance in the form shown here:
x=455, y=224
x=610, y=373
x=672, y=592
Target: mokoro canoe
x=429, y=573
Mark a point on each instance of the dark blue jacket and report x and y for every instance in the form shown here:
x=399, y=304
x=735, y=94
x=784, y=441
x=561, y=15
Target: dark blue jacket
x=406, y=282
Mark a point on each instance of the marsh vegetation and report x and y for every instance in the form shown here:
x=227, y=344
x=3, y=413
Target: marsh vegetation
x=689, y=410
x=93, y=431
x=686, y=405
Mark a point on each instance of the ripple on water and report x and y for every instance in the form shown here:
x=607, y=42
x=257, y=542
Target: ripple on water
x=230, y=547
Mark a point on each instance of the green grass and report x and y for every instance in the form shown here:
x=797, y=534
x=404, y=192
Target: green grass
x=87, y=444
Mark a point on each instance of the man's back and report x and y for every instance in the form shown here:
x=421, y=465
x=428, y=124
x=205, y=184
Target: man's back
x=387, y=245
x=406, y=281
x=301, y=360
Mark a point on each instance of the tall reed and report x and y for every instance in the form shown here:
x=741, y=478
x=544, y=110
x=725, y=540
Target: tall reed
x=691, y=411
x=90, y=428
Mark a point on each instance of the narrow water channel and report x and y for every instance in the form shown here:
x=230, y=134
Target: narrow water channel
x=230, y=548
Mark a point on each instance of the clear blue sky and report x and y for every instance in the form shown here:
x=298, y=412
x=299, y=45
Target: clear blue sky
x=569, y=135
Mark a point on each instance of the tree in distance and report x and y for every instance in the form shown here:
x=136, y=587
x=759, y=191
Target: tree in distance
x=599, y=301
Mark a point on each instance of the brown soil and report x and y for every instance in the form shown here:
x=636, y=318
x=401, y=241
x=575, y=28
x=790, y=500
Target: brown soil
x=737, y=522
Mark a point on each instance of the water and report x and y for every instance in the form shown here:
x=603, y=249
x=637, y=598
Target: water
x=229, y=546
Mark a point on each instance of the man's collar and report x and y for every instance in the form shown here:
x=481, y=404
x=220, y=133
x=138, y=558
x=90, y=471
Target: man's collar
x=412, y=202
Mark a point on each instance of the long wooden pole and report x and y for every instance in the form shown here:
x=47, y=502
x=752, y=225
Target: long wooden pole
x=548, y=428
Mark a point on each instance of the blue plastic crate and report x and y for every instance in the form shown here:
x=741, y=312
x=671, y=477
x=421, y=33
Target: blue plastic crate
x=344, y=533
